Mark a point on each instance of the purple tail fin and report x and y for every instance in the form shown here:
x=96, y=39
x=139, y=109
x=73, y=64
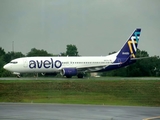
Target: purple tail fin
x=130, y=47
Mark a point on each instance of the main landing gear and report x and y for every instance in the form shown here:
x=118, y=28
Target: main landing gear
x=79, y=75
x=18, y=75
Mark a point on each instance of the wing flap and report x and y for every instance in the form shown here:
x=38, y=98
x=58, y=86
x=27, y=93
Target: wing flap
x=95, y=67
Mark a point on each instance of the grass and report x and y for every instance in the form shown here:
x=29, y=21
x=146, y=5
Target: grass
x=101, y=92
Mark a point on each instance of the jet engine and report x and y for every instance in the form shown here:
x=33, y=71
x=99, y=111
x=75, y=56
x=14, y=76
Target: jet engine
x=69, y=72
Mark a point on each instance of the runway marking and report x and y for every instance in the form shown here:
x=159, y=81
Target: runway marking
x=152, y=118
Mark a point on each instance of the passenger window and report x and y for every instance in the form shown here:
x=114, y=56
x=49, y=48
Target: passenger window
x=14, y=62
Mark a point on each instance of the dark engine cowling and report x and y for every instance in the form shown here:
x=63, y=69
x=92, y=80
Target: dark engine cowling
x=69, y=72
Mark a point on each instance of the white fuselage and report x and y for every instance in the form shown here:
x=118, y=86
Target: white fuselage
x=55, y=64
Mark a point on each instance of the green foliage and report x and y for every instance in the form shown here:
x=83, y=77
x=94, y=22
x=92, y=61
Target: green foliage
x=63, y=54
x=12, y=55
x=1, y=62
x=2, y=52
x=5, y=73
x=36, y=52
x=72, y=50
x=141, y=53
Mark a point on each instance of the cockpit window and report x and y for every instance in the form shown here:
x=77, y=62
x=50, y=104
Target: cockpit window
x=14, y=62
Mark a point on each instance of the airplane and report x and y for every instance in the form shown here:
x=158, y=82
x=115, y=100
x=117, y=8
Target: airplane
x=76, y=66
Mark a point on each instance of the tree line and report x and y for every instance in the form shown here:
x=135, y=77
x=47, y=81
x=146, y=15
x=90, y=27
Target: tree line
x=144, y=67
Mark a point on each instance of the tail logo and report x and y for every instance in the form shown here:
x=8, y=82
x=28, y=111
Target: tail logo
x=133, y=42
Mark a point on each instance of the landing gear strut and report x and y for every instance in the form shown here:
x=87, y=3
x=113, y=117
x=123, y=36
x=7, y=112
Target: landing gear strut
x=18, y=75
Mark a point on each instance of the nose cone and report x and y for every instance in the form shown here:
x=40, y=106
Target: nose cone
x=6, y=66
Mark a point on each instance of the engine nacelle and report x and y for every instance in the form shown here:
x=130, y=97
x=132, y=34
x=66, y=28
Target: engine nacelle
x=69, y=72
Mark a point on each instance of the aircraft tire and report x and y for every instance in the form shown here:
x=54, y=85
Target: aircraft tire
x=80, y=75
x=68, y=76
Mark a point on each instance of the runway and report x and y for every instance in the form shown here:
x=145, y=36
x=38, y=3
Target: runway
x=33, y=111
x=86, y=78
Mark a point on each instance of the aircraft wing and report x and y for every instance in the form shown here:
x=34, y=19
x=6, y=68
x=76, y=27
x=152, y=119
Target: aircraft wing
x=94, y=67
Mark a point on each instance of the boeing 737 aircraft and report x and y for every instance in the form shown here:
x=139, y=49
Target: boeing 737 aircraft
x=77, y=66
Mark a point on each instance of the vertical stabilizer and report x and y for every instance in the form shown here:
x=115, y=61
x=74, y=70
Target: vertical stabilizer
x=130, y=47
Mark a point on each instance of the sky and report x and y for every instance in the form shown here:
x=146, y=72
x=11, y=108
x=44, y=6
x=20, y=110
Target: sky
x=96, y=27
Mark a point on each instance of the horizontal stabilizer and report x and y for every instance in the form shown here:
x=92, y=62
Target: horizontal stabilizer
x=140, y=58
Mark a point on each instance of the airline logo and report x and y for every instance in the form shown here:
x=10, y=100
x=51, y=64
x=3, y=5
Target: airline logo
x=132, y=43
x=50, y=63
x=125, y=53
